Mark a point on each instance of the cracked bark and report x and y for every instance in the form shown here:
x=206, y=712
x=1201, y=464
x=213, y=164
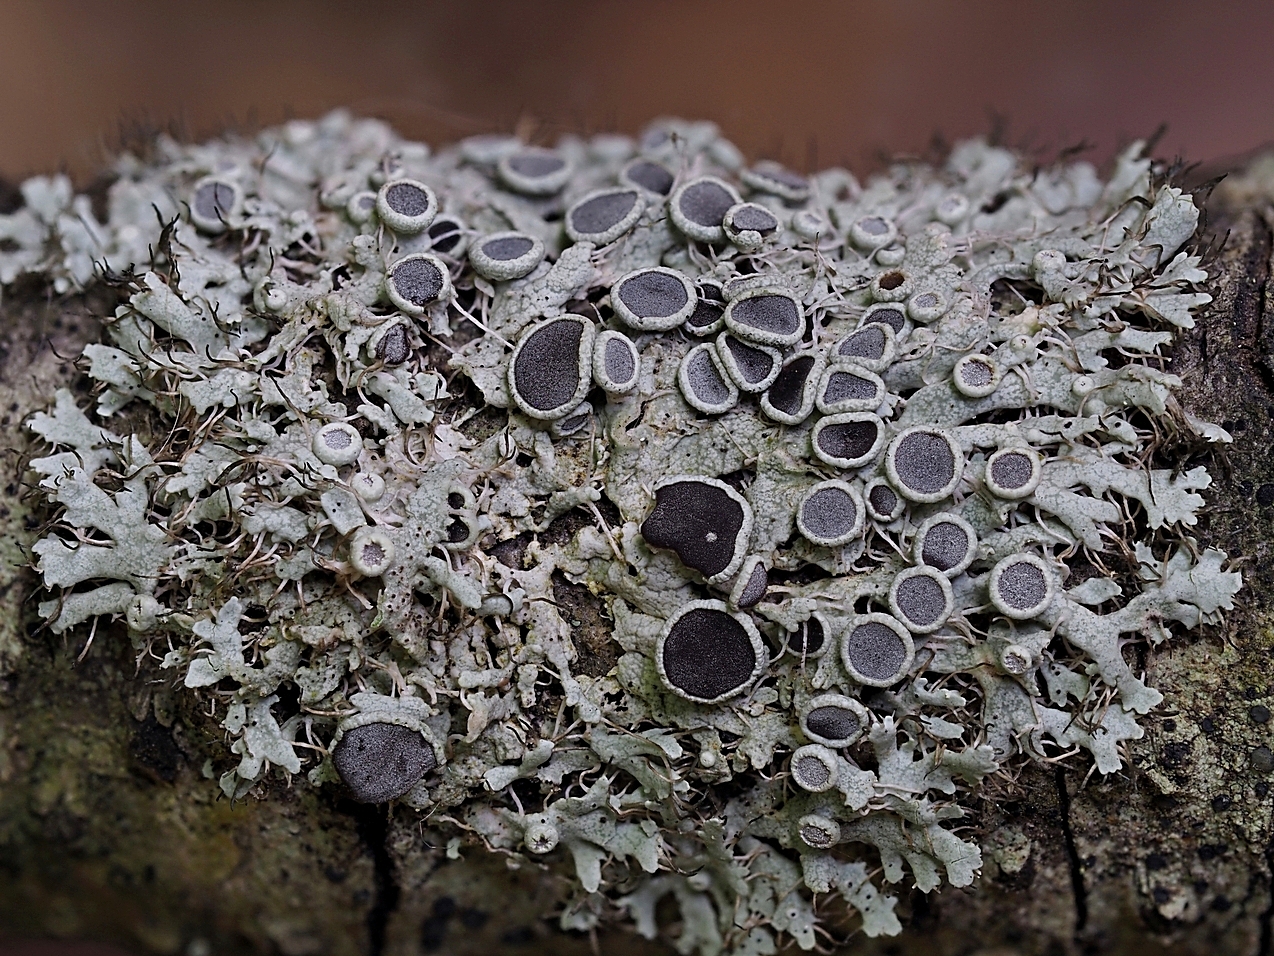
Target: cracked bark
x=1079, y=892
x=110, y=830
x=373, y=829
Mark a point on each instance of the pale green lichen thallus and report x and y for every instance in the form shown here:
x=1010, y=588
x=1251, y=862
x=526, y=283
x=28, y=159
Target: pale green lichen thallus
x=824, y=458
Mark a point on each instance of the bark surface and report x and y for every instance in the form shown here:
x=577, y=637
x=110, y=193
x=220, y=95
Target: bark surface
x=112, y=826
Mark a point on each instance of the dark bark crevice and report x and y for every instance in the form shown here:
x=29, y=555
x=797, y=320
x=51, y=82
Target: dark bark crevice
x=1076, y=865
x=1265, y=946
x=372, y=822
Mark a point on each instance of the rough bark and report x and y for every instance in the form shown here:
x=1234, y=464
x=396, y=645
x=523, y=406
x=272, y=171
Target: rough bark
x=111, y=828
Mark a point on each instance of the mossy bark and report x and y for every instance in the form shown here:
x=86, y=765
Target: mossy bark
x=112, y=826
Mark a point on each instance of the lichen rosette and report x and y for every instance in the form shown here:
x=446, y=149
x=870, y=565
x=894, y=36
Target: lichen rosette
x=859, y=480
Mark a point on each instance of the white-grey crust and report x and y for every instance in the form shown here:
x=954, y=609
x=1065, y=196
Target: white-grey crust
x=502, y=270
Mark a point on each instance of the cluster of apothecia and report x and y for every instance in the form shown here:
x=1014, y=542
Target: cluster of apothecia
x=701, y=526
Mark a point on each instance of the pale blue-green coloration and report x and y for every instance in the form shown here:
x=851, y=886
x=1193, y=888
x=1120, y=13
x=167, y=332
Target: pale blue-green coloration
x=324, y=410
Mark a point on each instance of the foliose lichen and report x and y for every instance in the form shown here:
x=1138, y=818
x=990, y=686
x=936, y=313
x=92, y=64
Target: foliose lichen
x=860, y=478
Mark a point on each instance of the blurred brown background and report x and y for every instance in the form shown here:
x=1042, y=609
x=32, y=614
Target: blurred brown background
x=804, y=82
x=809, y=83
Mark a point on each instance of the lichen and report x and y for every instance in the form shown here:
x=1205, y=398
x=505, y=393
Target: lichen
x=336, y=463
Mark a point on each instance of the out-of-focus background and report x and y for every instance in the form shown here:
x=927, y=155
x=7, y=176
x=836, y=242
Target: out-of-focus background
x=823, y=82
x=808, y=83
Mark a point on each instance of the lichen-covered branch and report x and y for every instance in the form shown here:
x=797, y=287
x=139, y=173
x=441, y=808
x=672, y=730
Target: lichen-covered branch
x=867, y=483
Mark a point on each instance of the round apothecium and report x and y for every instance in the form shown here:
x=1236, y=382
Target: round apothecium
x=406, y=206
x=811, y=638
x=368, y=485
x=704, y=382
x=551, y=367
x=818, y=831
x=1021, y=586
x=698, y=207
x=214, y=203
x=830, y=513
x=946, y=541
x=655, y=299
x=876, y=650
x=833, y=720
x=616, y=363
x=921, y=598
x=540, y=836
x=708, y=654
x=1013, y=472
x=603, y=216
x=925, y=464
x=815, y=767
x=506, y=255
x=371, y=551
x=417, y=281
x=337, y=443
